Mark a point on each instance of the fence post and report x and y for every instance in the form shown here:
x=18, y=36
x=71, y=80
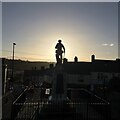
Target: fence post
x=12, y=112
x=38, y=110
x=87, y=111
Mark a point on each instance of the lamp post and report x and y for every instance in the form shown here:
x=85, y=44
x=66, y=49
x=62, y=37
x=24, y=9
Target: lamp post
x=12, y=76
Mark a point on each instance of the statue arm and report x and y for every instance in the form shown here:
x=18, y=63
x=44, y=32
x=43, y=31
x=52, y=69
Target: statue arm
x=64, y=48
x=56, y=46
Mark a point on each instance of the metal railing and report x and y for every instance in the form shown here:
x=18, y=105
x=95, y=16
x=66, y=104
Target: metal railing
x=74, y=110
x=28, y=111
x=85, y=107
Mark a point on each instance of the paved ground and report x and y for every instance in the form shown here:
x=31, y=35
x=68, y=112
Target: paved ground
x=30, y=105
x=7, y=102
x=0, y=108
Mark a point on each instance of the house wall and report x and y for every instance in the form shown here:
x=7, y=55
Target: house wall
x=78, y=79
x=99, y=77
x=36, y=80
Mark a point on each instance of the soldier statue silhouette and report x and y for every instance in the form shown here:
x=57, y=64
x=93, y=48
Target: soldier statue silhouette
x=60, y=49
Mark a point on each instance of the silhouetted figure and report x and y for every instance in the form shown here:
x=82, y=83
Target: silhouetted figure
x=60, y=49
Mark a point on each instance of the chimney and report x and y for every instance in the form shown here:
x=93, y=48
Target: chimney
x=65, y=60
x=92, y=58
x=76, y=59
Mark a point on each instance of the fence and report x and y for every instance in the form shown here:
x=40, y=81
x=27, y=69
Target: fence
x=28, y=111
x=84, y=107
x=75, y=110
x=15, y=108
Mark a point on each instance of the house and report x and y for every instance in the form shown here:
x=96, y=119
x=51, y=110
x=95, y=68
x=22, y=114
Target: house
x=78, y=73
x=91, y=74
x=103, y=71
x=38, y=77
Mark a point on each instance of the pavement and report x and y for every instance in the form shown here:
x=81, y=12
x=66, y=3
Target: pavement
x=7, y=105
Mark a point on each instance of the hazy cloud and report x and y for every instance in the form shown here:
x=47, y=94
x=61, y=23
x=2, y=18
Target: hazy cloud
x=105, y=44
x=111, y=44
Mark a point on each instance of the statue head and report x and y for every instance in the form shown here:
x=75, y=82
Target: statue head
x=59, y=41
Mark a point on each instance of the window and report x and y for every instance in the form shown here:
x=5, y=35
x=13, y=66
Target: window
x=81, y=80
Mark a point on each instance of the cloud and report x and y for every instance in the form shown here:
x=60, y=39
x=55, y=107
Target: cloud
x=105, y=44
x=111, y=44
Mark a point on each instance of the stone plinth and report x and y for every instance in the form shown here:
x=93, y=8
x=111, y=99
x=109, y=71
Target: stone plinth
x=59, y=87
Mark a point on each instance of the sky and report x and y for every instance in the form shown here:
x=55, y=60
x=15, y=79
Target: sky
x=84, y=28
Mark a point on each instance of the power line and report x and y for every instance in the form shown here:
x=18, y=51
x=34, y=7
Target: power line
x=19, y=52
x=27, y=58
x=30, y=58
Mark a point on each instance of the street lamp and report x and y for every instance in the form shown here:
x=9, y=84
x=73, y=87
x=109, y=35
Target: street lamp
x=13, y=49
x=12, y=76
